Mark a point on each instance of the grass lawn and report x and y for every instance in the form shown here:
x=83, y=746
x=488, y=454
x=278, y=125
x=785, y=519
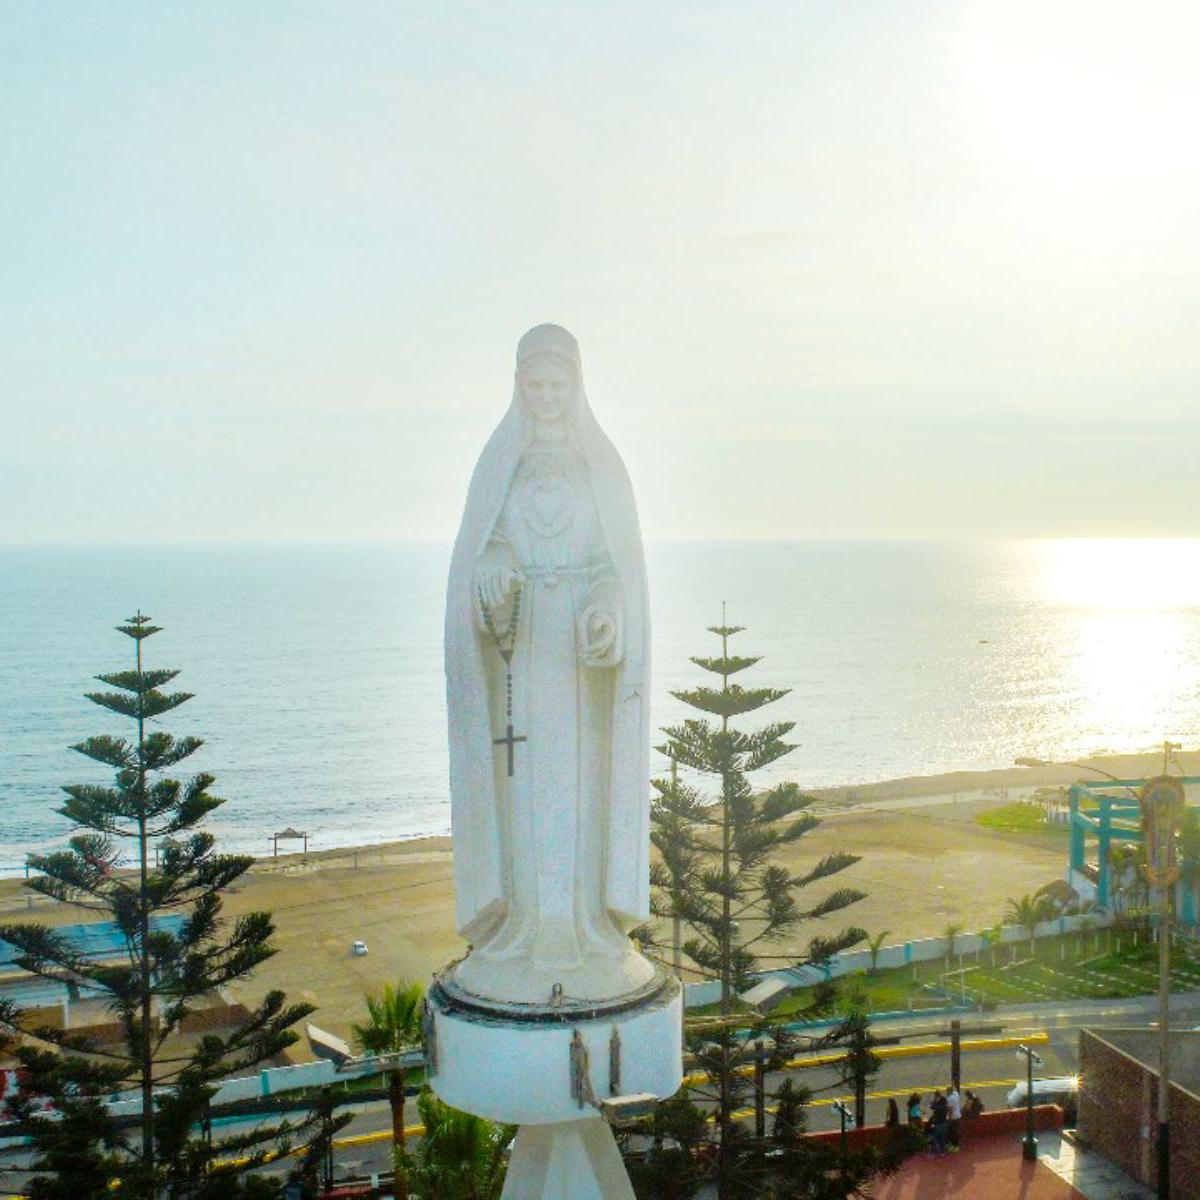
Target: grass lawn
x=1091, y=965
x=1129, y=971
x=1021, y=818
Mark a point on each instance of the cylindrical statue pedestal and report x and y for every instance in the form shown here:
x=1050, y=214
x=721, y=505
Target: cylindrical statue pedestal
x=556, y=1071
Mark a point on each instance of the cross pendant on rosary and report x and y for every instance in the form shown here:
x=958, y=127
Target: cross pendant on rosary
x=511, y=742
x=505, y=644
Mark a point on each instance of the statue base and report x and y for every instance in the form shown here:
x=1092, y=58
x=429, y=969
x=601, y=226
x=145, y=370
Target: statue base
x=578, y=1159
x=556, y=1071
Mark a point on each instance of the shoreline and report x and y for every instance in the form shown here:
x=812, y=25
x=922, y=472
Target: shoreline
x=994, y=783
x=1126, y=766
x=963, y=785
x=922, y=863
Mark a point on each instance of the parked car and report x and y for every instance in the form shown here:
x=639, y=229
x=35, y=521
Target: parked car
x=359, y=948
x=1062, y=1090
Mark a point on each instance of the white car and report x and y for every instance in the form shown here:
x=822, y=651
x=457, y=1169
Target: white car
x=358, y=948
x=1062, y=1090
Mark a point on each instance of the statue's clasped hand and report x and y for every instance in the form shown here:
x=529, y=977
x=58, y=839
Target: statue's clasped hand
x=498, y=574
x=600, y=638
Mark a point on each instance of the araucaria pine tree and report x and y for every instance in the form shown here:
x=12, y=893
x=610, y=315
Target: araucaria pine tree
x=715, y=874
x=860, y=1064
x=139, y=858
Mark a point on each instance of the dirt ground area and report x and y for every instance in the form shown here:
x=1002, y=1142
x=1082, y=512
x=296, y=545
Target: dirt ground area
x=398, y=899
x=922, y=868
x=925, y=864
x=925, y=867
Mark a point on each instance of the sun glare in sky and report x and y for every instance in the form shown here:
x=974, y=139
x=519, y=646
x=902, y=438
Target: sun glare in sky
x=867, y=270
x=1079, y=96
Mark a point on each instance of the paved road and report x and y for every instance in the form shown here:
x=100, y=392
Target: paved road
x=990, y=1073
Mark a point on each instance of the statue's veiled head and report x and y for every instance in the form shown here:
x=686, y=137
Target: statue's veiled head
x=549, y=379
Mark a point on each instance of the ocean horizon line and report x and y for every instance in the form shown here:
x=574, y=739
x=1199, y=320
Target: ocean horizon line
x=806, y=539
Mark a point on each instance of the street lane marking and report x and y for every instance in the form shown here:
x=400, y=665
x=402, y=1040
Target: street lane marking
x=1037, y=1038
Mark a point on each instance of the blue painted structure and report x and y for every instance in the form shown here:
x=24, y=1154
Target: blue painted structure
x=1116, y=819
x=97, y=940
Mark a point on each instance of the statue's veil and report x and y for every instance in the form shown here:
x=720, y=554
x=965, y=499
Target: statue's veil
x=479, y=885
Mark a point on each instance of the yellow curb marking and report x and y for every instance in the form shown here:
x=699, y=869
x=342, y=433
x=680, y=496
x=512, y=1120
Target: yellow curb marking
x=886, y=1052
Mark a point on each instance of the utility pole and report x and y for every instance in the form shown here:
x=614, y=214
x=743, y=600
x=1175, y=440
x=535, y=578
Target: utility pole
x=955, y=1034
x=955, y=1052
x=760, y=1090
x=327, y=1137
x=1163, y=803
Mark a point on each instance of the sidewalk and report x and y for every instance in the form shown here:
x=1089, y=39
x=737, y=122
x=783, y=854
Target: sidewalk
x=993, y=1168
x=1093, y=1176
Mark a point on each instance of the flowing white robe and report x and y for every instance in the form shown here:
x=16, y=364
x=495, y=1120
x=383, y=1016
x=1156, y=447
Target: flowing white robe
x=551, y=864
x=551, y=808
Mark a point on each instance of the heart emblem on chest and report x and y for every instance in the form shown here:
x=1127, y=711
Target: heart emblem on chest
x=548, y=507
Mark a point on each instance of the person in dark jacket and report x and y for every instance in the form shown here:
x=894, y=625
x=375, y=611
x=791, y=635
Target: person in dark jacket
x=938, y=1123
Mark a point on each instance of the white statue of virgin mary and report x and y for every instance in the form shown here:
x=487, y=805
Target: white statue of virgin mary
x=547, y=661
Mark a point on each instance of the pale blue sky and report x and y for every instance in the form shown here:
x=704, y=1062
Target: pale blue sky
x=869, y=268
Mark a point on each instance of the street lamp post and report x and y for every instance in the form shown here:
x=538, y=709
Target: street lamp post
x=1029, y=1147
x=844, y=1113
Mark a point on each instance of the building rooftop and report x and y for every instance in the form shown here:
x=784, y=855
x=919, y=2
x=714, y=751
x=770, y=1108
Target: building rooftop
x=1141, y=1044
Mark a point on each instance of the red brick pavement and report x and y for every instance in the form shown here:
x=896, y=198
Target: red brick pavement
x=987, y=1169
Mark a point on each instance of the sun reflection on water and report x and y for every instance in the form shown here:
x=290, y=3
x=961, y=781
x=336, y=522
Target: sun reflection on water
x=1121, y=573
x=1129, y=637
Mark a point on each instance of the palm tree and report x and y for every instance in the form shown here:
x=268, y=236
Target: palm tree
x=1188, y=847
x=1086, y=925
x=393, y=1024
x=874, y=945
x=989, y=937
x=950, y=933
x=1122, y=875
x=1189, y=843
x=1029, y=912
x=460, y=1157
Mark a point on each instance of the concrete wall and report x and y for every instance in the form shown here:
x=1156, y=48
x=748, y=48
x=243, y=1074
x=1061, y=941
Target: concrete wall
x=269, y=1082
x=1118, y=1103
x=903, y=954
x=994, y=1123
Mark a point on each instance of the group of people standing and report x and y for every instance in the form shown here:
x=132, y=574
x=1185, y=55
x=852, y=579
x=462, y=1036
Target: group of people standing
x=942, y=1123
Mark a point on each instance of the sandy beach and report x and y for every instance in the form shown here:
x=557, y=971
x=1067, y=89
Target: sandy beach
x=926, y=863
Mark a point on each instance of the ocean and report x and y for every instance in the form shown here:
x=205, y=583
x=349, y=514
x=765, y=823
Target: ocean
x=318, y=687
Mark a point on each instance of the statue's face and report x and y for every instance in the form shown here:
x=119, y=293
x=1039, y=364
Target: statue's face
x=546, y=388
